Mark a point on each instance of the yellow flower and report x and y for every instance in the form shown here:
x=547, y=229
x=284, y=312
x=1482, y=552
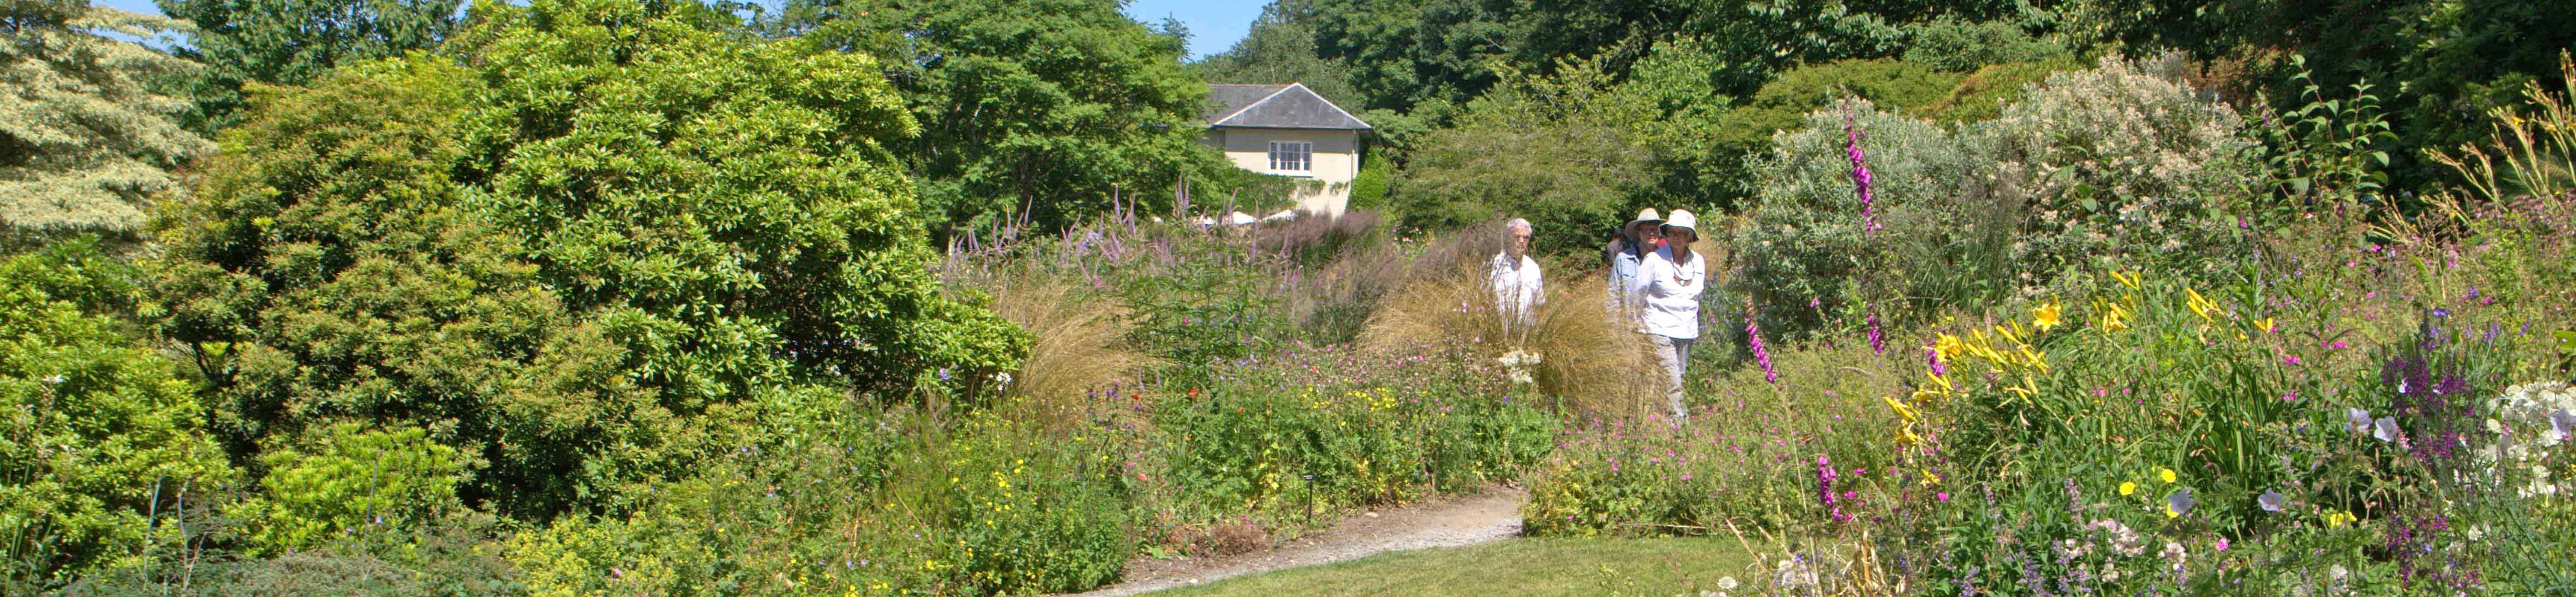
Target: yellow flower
x=1931, y=479
x=2114, y=315
x=2046, y=317
x=1901, y=409
x=2165, y=473
x=2170, y=513
x=2338, y=518
x=2200, y=305
x=2129, y=280
x=2265, y=324
x=2127, y=488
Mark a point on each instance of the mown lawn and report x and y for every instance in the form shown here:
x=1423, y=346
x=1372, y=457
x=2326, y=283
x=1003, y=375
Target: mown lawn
x=1658, y=566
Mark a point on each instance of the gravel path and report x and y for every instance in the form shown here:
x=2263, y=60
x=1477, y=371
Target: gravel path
x=1488, y=517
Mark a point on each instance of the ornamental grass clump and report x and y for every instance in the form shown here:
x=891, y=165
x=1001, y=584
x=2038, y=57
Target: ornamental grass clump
x=1588, y=360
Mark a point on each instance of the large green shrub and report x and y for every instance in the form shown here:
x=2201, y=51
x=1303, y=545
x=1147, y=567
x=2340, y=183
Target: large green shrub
x=2113, y=163
x=584, y=261
x=1804, y=240
x=2123, y=161
x=98, y=436
x=348, y=479
x=1952, y=44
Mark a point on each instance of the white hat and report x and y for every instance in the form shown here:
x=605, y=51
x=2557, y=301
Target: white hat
x=1682, y=218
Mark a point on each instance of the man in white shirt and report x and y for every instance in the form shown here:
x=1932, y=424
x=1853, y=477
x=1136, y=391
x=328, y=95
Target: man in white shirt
x=1668, y=284
x=1518, y=288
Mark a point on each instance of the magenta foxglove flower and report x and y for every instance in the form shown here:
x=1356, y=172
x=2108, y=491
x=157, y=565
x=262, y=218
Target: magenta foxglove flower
x=1753, y=335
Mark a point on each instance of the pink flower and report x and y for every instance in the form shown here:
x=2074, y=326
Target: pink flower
x=2222, y=544
x=1943, y=496
x=2290, y=360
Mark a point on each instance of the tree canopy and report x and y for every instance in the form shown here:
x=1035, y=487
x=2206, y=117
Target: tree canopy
x=86, y=138
x=1051, y=107
x=291, y=42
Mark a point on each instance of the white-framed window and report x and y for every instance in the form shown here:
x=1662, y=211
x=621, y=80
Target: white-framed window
x=1292, y=156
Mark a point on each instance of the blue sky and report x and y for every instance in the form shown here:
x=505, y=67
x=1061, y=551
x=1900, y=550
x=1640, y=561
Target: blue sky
x=1214, y=24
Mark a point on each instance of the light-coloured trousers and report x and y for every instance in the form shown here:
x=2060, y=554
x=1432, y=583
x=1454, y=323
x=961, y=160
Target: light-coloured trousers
x=1674, y=355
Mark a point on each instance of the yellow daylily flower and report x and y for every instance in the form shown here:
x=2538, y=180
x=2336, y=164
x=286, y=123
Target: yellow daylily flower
x=2129, y=280
x=2117, y=320
x=2047, y=317
x=2200, y=305
x=1949, y=347
x=1901, y=409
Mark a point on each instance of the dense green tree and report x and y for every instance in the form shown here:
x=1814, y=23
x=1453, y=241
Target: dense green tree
x=1560, y=151
x=1052, y=106
x=86, y=141
x=290, y=42
x=2441, y=64
x=623, y=239
x=100, y=433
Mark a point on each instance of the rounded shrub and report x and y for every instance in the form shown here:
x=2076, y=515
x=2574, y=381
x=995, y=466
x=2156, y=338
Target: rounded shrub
x=98, y=435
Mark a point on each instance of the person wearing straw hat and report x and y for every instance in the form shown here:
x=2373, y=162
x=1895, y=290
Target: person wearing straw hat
x=1636, y=240
x=1668, y=284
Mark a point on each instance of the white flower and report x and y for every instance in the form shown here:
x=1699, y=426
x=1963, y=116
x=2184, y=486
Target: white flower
x=1726, y=583
x=2337, y=572
x=2385, y=429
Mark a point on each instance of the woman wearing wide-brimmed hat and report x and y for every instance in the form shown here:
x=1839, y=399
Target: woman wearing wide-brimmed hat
x=1667, y=286
x=1639, y=238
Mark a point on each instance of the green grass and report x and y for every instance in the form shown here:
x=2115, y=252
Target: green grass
x=1656, y=566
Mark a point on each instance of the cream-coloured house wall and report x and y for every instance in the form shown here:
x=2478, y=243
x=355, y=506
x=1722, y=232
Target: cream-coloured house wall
x=1337, y=161
x=1337, y=152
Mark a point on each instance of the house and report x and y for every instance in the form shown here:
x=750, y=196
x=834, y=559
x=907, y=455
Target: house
x=1288, y=130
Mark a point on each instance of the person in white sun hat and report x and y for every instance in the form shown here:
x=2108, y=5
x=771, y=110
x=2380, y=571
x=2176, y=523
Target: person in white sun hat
x=1668, y=285
x=1636, y=240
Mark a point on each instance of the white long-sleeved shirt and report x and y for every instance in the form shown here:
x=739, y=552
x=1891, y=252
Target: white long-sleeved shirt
x=1518, y=288
x=1670, y=294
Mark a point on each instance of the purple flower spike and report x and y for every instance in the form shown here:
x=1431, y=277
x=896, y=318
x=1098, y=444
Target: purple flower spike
x=1877, y=341
x=1860, y=172
x=1753, y=335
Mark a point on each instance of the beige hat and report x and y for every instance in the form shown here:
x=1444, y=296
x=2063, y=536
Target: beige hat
x=1644, y=216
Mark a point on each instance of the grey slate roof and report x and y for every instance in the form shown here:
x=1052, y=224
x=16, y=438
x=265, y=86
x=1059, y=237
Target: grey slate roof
x=1290, y=106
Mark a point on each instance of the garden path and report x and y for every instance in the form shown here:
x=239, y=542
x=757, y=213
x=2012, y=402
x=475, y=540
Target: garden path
x=1493, y=515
